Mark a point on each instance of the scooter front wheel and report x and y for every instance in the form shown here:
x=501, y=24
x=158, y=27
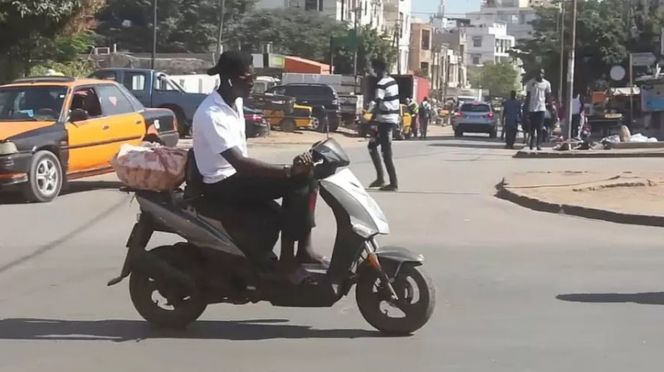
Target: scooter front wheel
x=412, y=309
x=160, y=304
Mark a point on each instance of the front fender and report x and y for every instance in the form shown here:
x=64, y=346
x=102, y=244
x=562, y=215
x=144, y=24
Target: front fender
x=393, y=258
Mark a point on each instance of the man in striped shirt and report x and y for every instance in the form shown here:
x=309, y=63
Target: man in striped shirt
x=386, y=113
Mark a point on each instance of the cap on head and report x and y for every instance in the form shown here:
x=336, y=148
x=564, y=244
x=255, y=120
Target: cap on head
x=231, y=63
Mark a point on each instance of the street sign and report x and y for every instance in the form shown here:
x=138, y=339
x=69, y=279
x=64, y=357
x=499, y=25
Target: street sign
x=643, y=59
x=618, y=73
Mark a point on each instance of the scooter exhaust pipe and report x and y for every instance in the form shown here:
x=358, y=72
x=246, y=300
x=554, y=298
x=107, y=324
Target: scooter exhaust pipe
x=162, y=271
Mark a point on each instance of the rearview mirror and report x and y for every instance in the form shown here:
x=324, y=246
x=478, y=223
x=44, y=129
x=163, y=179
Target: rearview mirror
x=78, y=115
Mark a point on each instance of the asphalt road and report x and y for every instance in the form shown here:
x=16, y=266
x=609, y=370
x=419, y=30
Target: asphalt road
x=517, y=290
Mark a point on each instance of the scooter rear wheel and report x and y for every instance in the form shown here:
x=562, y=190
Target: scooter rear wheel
x=161, y=305
x=414, y=308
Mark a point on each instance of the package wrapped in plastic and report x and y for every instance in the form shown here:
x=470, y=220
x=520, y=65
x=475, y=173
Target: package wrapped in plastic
x=153, y=168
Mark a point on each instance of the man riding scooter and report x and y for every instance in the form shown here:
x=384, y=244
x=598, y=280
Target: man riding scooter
x=232, y=178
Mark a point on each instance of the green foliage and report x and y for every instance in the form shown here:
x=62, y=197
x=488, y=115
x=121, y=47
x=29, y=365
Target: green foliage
x=34, y=30
x=185, y=26
x=604, y=38
x=500, y=79
x=78, y=68
x=373, y=45
x=290, y=31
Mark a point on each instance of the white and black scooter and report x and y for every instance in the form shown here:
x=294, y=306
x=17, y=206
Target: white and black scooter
x=228, y=258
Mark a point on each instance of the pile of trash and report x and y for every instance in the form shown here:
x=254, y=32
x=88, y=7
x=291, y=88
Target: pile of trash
x=605, y=143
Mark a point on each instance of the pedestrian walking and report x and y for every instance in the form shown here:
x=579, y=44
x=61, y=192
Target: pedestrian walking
x=539, y=94
x=425, y=117
x=413, y=110
x=511, y=119
x=386, y=113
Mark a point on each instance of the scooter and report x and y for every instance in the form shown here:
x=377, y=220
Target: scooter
x=228, y=258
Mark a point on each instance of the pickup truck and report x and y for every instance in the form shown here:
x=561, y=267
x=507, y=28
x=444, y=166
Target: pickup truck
x=155, y=89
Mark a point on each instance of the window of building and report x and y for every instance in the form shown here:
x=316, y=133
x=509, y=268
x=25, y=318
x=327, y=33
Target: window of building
x=477, y=41
x=476, y=59
x=313, y=5
x=426, y=39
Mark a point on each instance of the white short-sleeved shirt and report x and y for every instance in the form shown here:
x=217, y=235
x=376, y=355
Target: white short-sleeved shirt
x=538, y=91
x=217, y=128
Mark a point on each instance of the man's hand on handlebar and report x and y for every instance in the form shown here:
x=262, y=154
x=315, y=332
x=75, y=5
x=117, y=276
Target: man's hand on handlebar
x=302, y=164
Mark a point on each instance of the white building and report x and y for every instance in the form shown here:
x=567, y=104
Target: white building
x=398, y=20
x=488, y=43
x=516, y=14
x=367, y=12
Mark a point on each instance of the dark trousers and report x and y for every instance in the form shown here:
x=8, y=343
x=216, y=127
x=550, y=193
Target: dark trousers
x=510, y=135
x=424, y=126
x=576, y=123
x=536, y=127
x=298, y=204
x=384, y=140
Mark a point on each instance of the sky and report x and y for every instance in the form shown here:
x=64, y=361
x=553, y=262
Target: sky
x=455, y=7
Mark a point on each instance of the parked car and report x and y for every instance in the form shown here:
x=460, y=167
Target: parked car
x=255, y=123
x=55, y=129
x=157, y=90
x=402, y=131
x=321, y=97
x=476, y=117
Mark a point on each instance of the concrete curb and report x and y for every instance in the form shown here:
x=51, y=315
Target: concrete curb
x=505, y=193
x=586, y=154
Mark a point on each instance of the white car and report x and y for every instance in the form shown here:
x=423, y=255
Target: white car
x=475, y=117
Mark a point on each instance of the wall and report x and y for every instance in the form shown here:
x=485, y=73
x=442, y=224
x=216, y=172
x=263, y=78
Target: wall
x=418, y=55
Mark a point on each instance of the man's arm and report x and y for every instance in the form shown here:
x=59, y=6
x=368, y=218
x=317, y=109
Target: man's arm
x=254, y=167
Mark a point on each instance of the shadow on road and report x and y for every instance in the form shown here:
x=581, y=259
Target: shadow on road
x=73, y=187
x=85, y=225
x=126, y=330
x=647, y=298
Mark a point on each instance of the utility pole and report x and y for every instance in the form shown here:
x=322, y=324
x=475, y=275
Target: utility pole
x=562, y=53
x=220, y=31
x=358, y=14
x=153, y=60
x=571, y=65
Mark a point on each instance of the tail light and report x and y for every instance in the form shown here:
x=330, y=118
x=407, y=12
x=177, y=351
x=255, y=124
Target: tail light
x=458, y=114
x=491, y=115
x=253, y=117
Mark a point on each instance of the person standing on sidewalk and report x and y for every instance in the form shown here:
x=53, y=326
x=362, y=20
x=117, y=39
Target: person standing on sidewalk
x=413, y=110
x=577, y=110
x=511, y=119
x=539, y=95
x=386, y=113
x=425, y=117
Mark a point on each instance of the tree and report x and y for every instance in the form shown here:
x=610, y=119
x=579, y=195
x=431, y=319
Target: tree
x=372, y=45
x=500, y=79
x=185, y=26
x=34, y=30
x=290, y=31
x=607, y=31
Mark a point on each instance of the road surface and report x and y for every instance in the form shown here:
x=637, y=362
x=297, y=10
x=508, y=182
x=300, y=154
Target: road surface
x=517, y=290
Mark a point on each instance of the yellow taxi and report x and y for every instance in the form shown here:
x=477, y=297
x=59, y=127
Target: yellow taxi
x=54, y=129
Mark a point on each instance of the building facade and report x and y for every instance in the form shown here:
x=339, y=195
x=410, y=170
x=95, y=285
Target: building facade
x=398, y=20
x=364, y=12
x=488, y=43
x=420, y=56
x=515, y=14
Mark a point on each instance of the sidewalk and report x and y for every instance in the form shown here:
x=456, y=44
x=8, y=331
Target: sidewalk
x=631, y=198
x=549, y=153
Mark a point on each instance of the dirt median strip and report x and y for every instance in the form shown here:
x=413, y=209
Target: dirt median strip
x=506, y=193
